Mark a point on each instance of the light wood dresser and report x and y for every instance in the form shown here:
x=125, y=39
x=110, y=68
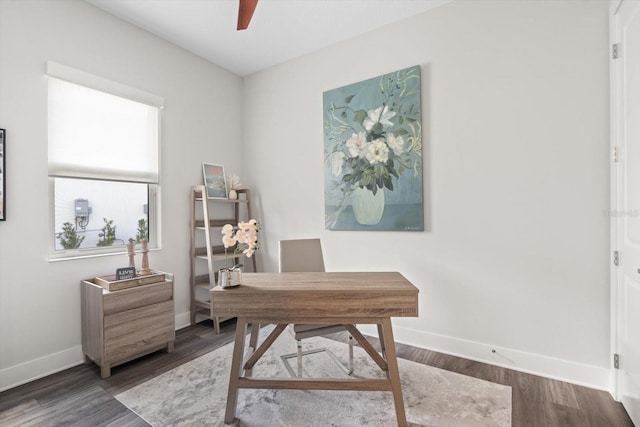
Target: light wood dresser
x=119, y=326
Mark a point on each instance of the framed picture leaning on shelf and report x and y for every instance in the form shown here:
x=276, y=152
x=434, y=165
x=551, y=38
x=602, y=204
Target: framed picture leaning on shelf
x=3, y=197
x=214, y=181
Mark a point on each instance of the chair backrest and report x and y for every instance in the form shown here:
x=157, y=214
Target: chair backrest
x=301, y=255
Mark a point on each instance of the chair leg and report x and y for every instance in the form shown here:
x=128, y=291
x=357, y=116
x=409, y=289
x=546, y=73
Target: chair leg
x=350, y=355
x=299, y=358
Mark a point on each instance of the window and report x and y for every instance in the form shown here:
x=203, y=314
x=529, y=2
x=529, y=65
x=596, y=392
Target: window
x=103, y=163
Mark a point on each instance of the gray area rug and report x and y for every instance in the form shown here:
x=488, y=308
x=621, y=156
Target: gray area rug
x=194, y=394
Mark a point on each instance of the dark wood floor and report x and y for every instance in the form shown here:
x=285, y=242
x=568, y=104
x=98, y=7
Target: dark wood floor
x=78, y=397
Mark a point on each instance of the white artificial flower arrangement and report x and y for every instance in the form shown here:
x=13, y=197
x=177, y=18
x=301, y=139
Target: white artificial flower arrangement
x=244, y=237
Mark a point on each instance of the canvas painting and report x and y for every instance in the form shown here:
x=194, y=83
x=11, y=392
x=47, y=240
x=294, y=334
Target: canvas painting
x=373, y=154
x=214, y=181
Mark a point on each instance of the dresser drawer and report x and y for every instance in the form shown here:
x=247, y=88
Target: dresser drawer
x=132, y=332
x=140, y=296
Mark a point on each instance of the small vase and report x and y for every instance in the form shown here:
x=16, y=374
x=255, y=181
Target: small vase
x=367, y=207
x=233, y=194
x=229, y=278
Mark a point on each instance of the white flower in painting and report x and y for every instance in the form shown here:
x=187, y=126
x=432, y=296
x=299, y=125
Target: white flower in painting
x=378, y=152
x=336, y=161
x=379, y=115
x=357, y=144
x=396, y=143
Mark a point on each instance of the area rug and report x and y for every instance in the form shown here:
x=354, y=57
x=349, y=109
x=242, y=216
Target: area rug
x=194, y=394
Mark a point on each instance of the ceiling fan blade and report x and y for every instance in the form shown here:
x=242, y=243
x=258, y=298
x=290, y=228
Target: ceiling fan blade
x=245, y=12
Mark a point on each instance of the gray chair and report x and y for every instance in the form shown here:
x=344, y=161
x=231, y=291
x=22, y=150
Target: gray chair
x=305, y=255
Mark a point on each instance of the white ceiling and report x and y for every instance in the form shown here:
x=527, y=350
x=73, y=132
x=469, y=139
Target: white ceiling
x=279, y=31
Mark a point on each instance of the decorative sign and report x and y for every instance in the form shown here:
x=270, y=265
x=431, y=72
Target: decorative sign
x=125, y=273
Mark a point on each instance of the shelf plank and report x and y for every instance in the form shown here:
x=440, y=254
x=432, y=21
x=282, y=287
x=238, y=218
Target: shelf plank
x=202, y=278
x=202, y=304
x=214, y=223
x=220, y=257
x=215, y=250
x=238, y=200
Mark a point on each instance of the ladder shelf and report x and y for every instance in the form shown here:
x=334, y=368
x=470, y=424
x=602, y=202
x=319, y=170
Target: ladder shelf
x=208, y=216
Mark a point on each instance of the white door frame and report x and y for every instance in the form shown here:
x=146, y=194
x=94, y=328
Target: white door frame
x=624, y=387
x=615, y=73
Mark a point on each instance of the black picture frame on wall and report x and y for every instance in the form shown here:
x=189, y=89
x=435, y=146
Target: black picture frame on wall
x=3, y=176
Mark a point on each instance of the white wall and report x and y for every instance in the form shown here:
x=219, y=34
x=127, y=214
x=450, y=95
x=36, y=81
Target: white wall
x=39, y=300
x=515, y=120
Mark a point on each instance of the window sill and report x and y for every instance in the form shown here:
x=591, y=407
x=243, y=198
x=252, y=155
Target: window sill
x=74, y=255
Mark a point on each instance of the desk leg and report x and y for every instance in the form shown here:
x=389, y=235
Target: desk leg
x=253, y=343
x=394, y=375
x=383, y=350
x=236, y=370
x=253, y=339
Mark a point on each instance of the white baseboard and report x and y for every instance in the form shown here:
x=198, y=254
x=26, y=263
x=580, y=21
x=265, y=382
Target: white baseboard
x=31, y=370
x=564, y=370
x=531, y=363
x=183, y=320
x=23, y=373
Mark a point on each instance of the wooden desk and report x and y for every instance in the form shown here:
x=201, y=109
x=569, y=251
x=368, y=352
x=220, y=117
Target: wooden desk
x=323, y=298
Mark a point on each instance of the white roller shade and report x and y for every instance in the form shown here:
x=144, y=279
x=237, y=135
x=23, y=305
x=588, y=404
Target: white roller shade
x=97, y=135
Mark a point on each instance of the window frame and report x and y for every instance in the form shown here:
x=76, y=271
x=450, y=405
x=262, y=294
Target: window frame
x=101, y=84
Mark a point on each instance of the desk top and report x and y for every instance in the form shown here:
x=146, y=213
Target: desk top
x=317, y=297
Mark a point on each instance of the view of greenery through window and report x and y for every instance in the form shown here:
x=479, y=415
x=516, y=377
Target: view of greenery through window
x=93, y=213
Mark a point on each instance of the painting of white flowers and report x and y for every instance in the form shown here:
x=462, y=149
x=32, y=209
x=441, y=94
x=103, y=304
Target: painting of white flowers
x=373, y=154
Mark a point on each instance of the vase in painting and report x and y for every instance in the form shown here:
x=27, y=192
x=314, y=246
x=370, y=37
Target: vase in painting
x=368, y=207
